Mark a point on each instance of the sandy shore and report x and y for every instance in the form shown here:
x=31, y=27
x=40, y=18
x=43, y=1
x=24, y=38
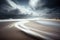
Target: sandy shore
x=12, y=33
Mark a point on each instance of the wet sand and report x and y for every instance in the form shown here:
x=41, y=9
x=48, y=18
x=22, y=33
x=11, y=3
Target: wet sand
x=12, y=33
x=51, y=32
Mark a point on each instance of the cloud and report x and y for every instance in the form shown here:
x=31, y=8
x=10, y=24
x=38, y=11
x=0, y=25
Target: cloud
x=22, y=9
x=46, y=8
x=21, y=2
x=14, y=10
x=41, y=8
x=33, y=3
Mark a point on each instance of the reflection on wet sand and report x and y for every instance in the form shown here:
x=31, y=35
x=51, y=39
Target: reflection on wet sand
x=12, y=33
x=30, y=30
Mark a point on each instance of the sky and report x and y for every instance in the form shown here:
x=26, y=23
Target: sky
x=22, y=2
x=41, y=8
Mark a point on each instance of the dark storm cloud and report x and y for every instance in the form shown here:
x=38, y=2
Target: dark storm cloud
x=55, y=6
x=49, y=8
x=48, y=4
x=2, y=2
x=46, y=8
x=52, y=3
x=4, y=8
x=14, y=14
x=21, y=2
x=7, y=11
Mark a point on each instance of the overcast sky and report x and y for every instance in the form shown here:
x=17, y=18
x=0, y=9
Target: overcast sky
x=44, y=8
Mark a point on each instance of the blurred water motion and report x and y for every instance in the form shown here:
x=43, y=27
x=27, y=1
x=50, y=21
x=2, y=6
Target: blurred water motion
x=42, y=28
x=30, y=19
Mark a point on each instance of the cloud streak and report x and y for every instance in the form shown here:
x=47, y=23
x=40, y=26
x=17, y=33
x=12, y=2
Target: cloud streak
x=40, y=8
x=46, y=8
x=23, y=9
